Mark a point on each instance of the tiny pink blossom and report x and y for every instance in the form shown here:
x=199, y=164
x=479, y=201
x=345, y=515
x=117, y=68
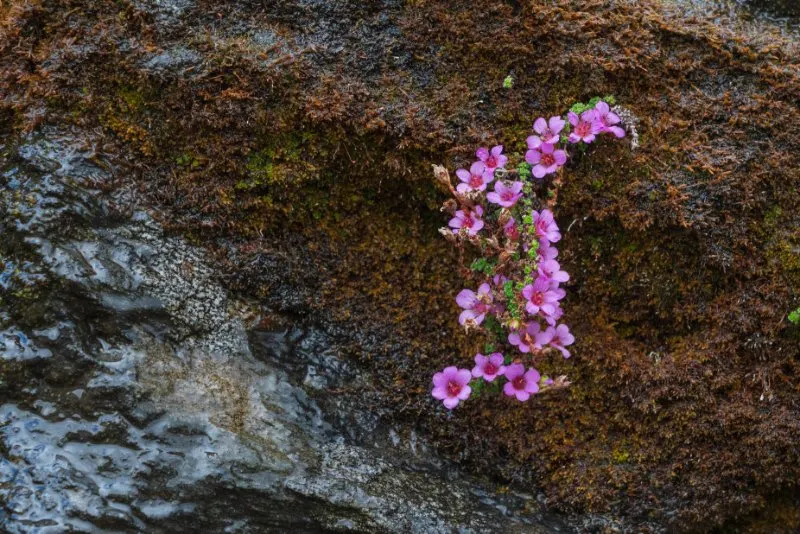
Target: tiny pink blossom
x=608, y=119
x=561, y=338
x=548, y=132
x=511, y=230
x=499, y=280
x=451, y=386
x=545, y=160
x=529, y=337
x=493, y=159
x=475, y=304
x=541, y=297
x=546, y=227
x=547, y=251
x=471, y=220
x=474, y=179
x=551, y=271
x=505, y=195
x=488, y=367
x=584, y=127
x=555, y=316
x=521, y=384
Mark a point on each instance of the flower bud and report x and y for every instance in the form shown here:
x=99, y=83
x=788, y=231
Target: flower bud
x=450, y=206
x=448, y=234
x=504, y=217
x=441, y=175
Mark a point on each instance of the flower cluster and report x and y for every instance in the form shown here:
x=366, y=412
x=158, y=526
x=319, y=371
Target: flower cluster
x=506, y=214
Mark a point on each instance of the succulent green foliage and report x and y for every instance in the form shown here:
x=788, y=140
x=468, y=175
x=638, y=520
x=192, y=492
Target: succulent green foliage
x=493, y=326
x=580, y=107
x=524, y=170
x=794, y=316
x=482, y=265
x=508, y=82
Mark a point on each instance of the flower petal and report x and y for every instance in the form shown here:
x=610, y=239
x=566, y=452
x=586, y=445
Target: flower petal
x=477, y=168
x=534, y=141
x=533, y=156
x=439, y=392
x=556, y=124
x=466, y=298
x=450, y=402
x=573, y=118
x=463, y=376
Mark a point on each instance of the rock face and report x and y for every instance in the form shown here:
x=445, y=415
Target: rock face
x=294, y=139
x=135, y=397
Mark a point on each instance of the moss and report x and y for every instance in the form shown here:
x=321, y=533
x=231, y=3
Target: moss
x=131, y=100
x=621, y=456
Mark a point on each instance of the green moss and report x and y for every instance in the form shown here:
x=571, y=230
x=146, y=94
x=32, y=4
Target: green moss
x=131, y=99
x=260, y=169
x=772, y=216
x=283, y=160
x=621, y=454
x=189, y=160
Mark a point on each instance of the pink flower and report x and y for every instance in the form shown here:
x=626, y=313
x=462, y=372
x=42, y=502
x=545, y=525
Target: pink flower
x=541, y=297
x=511, y=229
x=556, y=315
x=551, y=271
x=561, y=338
x=608, y=119
x=521, y=384
x=548, y=131
x=474, y=179
x=451, y=386
x=545, y=159
x=499, y=280
x=505, y=195
x=475, y=304
x=585, y=127
x=529, y=337
x=546, y=227
x=547, y=251
x=488, y=367
x=471, y=220
x=493, y=159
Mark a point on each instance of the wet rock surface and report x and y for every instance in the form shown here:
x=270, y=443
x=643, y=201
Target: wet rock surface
x=137, y=396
